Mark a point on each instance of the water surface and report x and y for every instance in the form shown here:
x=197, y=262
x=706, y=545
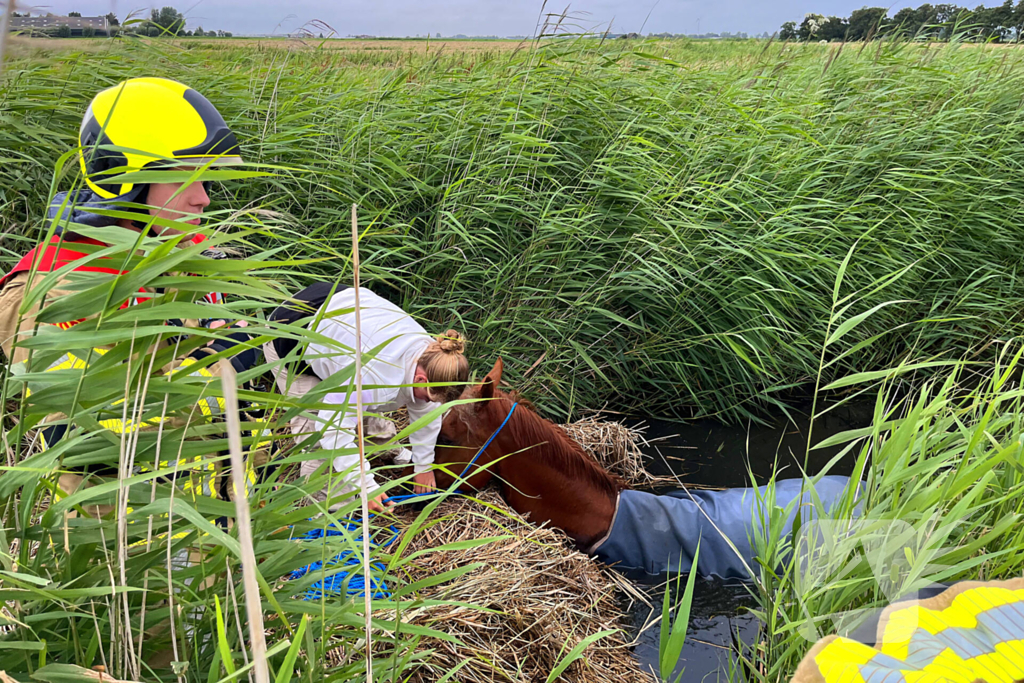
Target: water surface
x=706, y=453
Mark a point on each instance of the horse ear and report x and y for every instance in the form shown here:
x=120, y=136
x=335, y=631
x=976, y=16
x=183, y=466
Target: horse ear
x=491, y=381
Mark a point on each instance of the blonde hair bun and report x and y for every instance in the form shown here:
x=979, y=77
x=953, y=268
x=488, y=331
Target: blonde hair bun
x=443, y=362
x=452, y=342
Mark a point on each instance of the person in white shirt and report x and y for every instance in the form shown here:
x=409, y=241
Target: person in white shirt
x=408, y=356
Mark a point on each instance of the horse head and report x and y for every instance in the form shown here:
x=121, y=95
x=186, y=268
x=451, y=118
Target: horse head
x=542, y=472
x=466, y=428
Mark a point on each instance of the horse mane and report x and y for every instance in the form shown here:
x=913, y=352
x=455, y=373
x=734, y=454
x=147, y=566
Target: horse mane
x=527, y=427
x=515, y=396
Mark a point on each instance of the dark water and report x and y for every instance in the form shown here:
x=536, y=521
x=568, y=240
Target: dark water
x=719, y=618
x=709, y=454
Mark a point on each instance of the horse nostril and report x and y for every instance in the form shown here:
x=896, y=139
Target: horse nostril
x=441, y=441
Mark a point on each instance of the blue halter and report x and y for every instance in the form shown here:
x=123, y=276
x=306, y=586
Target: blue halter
x=496, y=432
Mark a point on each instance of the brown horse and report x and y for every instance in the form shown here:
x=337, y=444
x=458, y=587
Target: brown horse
x=541, y=470
x=547, y=475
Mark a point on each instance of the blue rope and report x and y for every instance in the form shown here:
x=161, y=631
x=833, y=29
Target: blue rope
x=352, y=582
x=339, y=583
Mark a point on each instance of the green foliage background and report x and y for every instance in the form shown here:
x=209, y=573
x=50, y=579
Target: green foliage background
x=655, y=225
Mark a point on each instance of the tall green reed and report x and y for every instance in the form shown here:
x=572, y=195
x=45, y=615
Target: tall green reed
x=941, y=500
x=655, y=225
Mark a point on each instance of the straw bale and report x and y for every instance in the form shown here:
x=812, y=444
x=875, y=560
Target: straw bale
x=616, y=447
x=543, y=596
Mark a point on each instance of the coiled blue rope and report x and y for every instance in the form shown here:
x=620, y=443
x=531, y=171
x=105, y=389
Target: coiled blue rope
x=347, y=582
x=352, y=582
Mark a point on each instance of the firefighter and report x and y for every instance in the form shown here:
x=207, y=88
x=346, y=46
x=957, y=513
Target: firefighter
x=132, y=128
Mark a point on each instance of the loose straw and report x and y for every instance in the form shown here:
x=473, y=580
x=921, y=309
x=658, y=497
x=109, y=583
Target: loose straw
x=363, y=498
x=253, y=602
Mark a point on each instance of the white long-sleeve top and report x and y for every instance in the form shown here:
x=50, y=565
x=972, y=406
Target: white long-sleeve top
x=404, y=341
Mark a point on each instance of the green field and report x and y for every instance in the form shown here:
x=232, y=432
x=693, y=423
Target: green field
x=659, y=225
x=698, y=228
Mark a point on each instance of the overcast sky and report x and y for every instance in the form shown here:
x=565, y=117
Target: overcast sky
x=475, y=17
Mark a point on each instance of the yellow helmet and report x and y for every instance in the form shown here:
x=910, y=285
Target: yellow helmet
x=160, y=121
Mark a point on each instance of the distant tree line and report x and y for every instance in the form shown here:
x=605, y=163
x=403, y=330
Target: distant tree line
x=168, y=21
x=1001, y=24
